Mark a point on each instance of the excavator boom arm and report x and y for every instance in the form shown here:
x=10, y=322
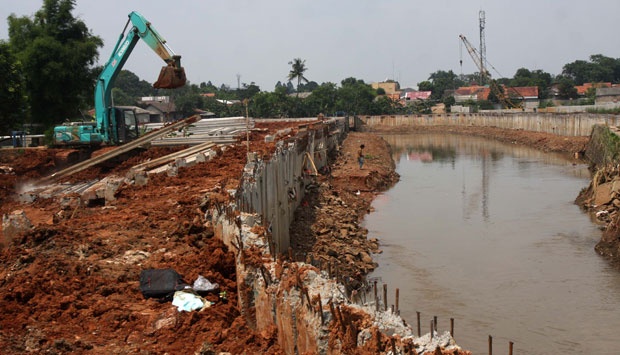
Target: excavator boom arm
x=171, y=76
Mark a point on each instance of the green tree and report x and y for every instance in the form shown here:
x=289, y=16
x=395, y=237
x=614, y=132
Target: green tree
x=131, y=84
x=290, y=88
x=275, y=104
x=442, y=81
x=13, y=102
x=263, y=105
x=425, y=86
x=121, y=98
x=355, y=97
x=308, y=87
x=188, y=103
x=611, y=65
x=322, y=100
x=298, y=68
x=599, y=69
x=449, y=101
x=58, y=52
x=384, y=106
x=566, y=88
x=247, y=91
x=539, y=78
x=576, y=71
x=208, y=87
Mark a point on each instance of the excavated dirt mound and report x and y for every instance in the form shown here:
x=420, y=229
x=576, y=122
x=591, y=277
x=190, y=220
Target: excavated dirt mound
x=72, y=284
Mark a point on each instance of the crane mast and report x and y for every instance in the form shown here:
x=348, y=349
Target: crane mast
x=483, y=46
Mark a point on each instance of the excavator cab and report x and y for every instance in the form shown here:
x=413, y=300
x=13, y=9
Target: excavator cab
x=171, y=76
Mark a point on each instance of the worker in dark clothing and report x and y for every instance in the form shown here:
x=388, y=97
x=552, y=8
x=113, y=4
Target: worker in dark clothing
x=360, y=156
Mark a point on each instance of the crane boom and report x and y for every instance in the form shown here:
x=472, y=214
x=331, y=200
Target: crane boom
x=484, y=74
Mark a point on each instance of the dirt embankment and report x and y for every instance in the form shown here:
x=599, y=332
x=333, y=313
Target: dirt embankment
x=539, y=140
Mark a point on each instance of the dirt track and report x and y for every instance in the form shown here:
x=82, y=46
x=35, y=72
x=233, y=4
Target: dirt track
x=71, y=286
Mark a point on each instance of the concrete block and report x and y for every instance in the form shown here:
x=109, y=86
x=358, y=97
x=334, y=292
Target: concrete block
x=172, y=170
x=92, y=193
x=201, y=158
x=111, y=186
x=14, y=224
x=141, y=178
x=180, y=162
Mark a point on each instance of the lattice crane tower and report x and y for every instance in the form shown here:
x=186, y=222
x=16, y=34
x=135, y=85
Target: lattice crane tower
x=483, y=47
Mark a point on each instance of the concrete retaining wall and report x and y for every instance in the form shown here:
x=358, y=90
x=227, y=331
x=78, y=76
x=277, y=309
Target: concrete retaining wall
x=578, y=124
x=604, y=146
x=274, y=187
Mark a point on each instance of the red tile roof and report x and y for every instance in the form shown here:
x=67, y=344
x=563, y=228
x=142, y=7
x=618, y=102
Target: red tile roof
x=582, y=89
x=527, y=92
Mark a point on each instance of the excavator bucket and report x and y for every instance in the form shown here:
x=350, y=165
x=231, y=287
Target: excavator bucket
x=171, y=76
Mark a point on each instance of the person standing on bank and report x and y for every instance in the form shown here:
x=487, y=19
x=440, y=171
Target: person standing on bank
x=360, y=156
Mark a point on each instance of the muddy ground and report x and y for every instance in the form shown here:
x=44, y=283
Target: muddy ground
x=71, y=285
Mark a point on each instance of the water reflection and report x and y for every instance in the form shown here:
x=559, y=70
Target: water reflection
x=487, y=233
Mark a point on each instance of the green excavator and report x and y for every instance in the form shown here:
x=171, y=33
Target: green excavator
x=114, y=125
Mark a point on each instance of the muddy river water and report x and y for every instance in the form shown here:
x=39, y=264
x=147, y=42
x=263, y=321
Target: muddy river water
x=488, y=233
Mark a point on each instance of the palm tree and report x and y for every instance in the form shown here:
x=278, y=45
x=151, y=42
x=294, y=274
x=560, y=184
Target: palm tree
x=297, y=71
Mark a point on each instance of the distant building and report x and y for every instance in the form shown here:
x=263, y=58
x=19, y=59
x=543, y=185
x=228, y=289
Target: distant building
x=471, y=93
x=607, y=95
x=528, y=95
x=301, y=95
x=416, y=95
x=389, y=86
x=583, y=89
x=161, y=109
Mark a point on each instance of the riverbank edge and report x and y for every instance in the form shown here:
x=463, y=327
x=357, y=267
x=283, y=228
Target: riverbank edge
x=601, y=199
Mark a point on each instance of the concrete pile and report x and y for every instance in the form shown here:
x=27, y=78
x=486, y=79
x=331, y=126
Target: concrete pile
x=93, y=192
x=216, y=130
x=170, y=163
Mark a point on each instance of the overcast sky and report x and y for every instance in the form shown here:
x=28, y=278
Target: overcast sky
x=369, y=40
